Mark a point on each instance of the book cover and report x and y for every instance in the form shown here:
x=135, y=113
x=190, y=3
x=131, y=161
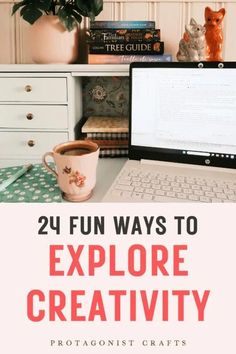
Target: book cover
x=122, y=24
x=126, y=59
x=125, y=35
x=106, y=125
x=145, y=48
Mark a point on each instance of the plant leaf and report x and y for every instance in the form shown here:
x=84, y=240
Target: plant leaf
x=89, y=8
x=30, y=14
x=17, y=6
x=66, y=17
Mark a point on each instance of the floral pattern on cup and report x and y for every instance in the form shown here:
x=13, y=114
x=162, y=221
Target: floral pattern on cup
x=75, y=177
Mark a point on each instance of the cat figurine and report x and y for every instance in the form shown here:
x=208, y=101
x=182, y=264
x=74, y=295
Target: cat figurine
x=192, y=45
x=214, y=34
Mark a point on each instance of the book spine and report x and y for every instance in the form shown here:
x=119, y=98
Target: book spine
x=122, y=25
x=127, y=48
x=105, y=143
x=127, y=59
x=110, y=136
x=113, y=152
x=116, y=36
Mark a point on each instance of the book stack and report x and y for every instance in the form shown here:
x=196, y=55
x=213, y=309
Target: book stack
x=110, y=133
x=123, y=42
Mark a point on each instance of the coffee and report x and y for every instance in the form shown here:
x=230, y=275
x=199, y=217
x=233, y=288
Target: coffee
x=76, y=151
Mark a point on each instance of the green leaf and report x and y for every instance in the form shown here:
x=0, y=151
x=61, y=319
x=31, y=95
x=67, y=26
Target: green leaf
x=31, y=10
x=17, y=6
x=89, y=8
x=66, y=17
x=77, y=16
x=30, y=14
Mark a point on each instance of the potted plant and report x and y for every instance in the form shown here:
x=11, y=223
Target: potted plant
x=54, y=30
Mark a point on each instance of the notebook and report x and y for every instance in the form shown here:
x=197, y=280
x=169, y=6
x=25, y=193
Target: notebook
x=182, y=143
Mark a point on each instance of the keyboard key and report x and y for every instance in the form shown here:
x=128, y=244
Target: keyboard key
x=205, y=199
x=221, y=196
x=165, y=183
x=217, y=190
x=139, y=189
x=195, y=187
x=159, y=192
x=174, y=184
x=228, y=192
x=124, y=182
x=177, y=189
x=136, y=184
x=149, y=190
x=156, y=186
x=210, y=194
x=166, y=188
x=232, y=197
x=146, y=180
x=216, y=200
x=181, y=195
x=206, y=189
x=126, y=194
x=196, y=192
x=188, y=191
x=147, y=196
x=136, y=179
x=193, y=197
x=171, y=194
x=137, y=196
x=124, y=187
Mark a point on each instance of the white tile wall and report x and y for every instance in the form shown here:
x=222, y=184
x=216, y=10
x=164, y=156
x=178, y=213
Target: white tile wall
x=170, y=15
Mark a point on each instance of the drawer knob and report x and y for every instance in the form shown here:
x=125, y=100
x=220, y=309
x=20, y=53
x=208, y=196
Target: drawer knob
x=28, y=88
x=29, y=116
x=31, y=143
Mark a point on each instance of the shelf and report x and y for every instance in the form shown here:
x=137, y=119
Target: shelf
x=74, y=69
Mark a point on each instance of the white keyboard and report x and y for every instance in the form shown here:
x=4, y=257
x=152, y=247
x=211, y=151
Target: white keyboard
x=150, y=186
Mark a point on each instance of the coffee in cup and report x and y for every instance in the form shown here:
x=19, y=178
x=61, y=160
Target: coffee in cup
x=76, y=165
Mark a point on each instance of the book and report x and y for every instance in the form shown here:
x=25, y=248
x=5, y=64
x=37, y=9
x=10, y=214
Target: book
x=126, y=59
x=127, y=48
x=118, y=152
x=123, y=35
x=105, y=143
x=106, y=124
x=122, y=24
x=109, y=136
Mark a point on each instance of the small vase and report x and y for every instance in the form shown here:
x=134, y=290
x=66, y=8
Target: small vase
x=51, y=43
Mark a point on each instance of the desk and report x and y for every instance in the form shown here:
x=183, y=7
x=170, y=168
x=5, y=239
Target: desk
x=38, y=185
x=108, y=169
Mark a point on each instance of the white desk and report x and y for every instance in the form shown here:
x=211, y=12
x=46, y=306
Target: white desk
x=108, y=168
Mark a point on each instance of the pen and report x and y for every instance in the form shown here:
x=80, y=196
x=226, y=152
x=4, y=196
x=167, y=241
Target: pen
x=14, y=177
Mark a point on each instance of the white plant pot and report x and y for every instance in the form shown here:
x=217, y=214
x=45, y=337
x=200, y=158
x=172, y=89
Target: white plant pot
x=51, y=43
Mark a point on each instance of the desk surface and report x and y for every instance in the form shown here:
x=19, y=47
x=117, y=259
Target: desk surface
x=108, y=168
x=38, y=185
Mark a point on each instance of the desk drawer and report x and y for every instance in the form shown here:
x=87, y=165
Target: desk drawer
x=28, y=144
x=27, y=89
x=33, y=117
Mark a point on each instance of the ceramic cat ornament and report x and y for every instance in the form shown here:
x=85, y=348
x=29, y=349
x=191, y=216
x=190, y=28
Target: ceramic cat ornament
x=214, y=34
x=192, y=45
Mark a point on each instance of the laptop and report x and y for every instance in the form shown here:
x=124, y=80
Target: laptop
x=182, y=143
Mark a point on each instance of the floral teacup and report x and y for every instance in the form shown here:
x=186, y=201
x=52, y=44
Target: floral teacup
x=76, y=165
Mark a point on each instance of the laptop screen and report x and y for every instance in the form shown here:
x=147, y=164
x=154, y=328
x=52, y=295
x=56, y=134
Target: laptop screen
x=181, y=112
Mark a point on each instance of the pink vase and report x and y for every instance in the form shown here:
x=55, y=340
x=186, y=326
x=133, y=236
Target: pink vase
x=51, y=43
